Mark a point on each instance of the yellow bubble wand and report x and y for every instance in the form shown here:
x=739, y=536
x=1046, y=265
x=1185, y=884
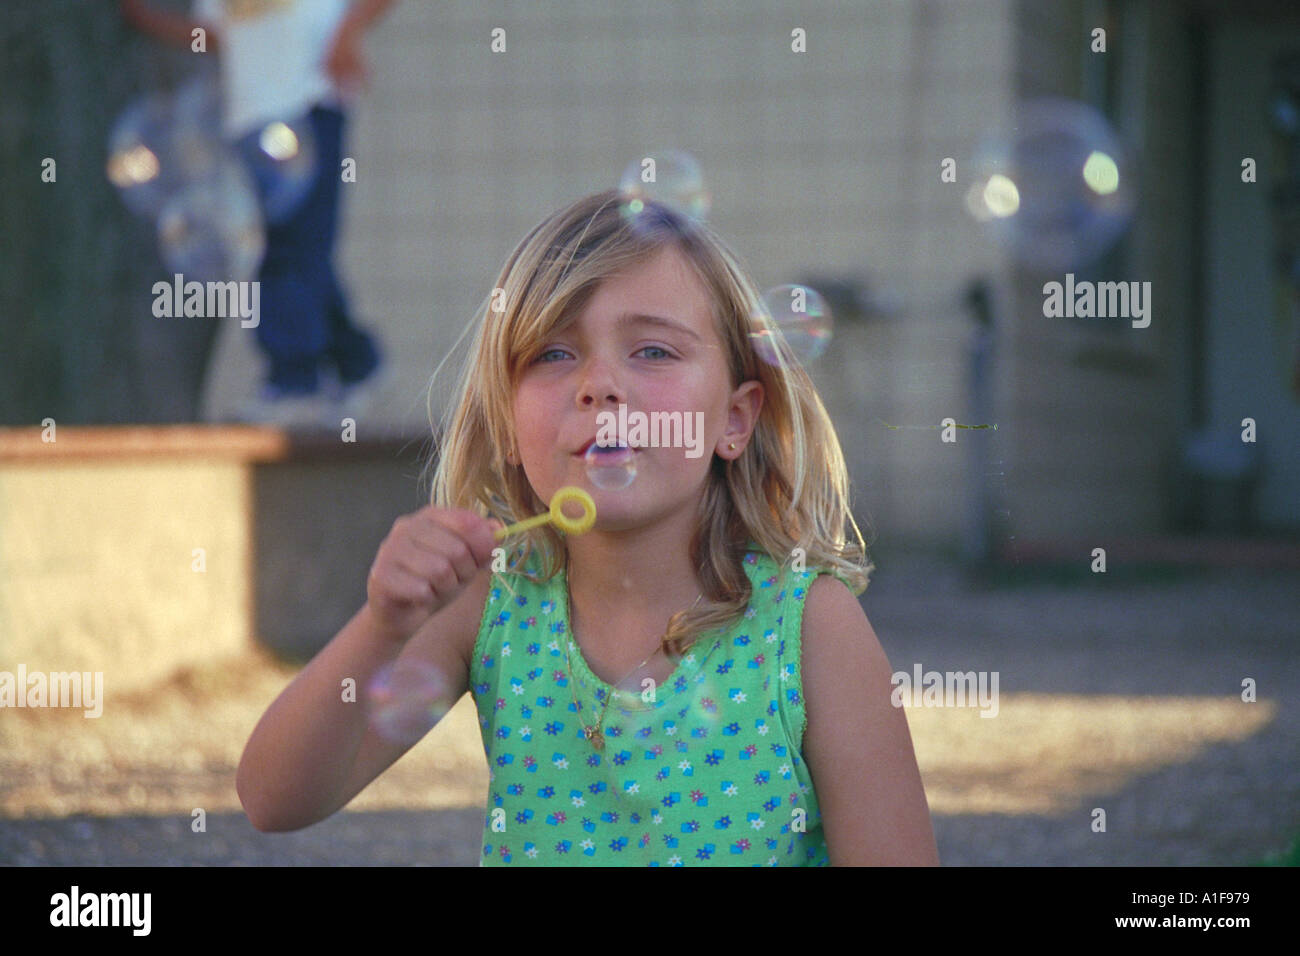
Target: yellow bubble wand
x=557, y=515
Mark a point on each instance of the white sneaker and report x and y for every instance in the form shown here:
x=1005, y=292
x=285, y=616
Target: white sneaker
x=361, y=398
x=311, y=411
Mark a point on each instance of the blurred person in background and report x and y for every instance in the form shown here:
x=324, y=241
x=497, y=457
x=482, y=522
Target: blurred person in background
x=281, y=60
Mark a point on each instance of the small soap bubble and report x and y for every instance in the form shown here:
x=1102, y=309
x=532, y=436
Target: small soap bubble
x=669, y=177
x=212, y=230
x=1057, y=191
x=406, y=698
x=281, y=155
x=796, y=314
x=612, y=468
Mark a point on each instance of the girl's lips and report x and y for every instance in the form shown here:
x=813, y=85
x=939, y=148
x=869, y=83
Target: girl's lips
x=581, y=452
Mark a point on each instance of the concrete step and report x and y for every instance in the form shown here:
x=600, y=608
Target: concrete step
x=137, y=550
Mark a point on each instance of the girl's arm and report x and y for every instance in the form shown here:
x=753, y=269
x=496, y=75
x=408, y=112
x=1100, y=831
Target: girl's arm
x=312, y=752
x=857, y=745
x=173, y=28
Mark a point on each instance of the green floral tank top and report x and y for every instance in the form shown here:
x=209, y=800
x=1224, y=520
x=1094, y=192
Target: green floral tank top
x=704, y=769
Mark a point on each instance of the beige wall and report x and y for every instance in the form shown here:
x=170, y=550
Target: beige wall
x=1095, y=415
x=821, y=162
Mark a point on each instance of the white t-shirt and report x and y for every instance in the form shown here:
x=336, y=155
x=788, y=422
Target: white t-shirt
x=272, y=57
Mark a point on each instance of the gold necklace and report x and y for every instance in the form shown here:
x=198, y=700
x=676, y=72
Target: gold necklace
x=594, y=734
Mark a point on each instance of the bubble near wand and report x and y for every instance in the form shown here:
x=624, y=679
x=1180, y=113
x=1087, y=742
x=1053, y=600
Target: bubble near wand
x=557, y=515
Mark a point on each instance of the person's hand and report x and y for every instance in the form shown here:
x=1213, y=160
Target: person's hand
x=426, y=560
x=345, y=62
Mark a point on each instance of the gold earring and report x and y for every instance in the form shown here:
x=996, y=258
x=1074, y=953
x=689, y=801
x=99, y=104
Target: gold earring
x=732, y=446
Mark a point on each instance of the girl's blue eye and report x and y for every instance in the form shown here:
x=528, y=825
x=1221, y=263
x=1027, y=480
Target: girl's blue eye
x=656, y=348
x=542, y=357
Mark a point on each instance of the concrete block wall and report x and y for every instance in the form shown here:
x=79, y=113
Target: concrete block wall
x=823, y=162
x=1094, y=412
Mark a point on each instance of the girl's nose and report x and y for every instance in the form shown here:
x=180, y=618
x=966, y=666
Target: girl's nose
x=599, y=386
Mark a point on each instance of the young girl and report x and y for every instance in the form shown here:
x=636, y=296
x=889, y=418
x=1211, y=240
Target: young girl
x=671, y=687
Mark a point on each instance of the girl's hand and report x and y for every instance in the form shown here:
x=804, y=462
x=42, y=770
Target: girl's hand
x=426, y=560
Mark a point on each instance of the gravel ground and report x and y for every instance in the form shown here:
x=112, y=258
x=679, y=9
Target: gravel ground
x=1116, y=693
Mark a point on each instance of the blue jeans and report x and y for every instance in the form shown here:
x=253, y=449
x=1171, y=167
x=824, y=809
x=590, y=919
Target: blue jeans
x=304, y=314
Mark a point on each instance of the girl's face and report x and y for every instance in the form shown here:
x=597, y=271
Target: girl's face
x=645, y=339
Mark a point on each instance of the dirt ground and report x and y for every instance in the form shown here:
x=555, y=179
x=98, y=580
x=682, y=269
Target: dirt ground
x=1119, y=694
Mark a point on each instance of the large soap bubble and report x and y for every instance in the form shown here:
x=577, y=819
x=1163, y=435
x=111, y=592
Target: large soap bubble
x=212, y=229
x=1058, y=190
x=154, y=151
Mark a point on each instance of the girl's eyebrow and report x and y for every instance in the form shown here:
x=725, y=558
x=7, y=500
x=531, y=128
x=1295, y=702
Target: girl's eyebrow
x=640, y=318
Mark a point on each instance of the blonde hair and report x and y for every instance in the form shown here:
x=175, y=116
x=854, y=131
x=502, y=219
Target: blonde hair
x=789, y=488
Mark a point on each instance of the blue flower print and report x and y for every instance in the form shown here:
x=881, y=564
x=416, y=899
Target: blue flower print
x=618, y=845
x=564, y=846
x=704, y=852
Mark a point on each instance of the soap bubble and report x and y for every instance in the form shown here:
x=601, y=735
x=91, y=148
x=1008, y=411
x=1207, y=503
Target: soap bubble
x=708, y=706
x=154, y=152
x=406, y=698
x=669, y=177
x=801, y=317
x=281, y=155
x=1059, y=190
x=212, y=229
x=612, y=468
